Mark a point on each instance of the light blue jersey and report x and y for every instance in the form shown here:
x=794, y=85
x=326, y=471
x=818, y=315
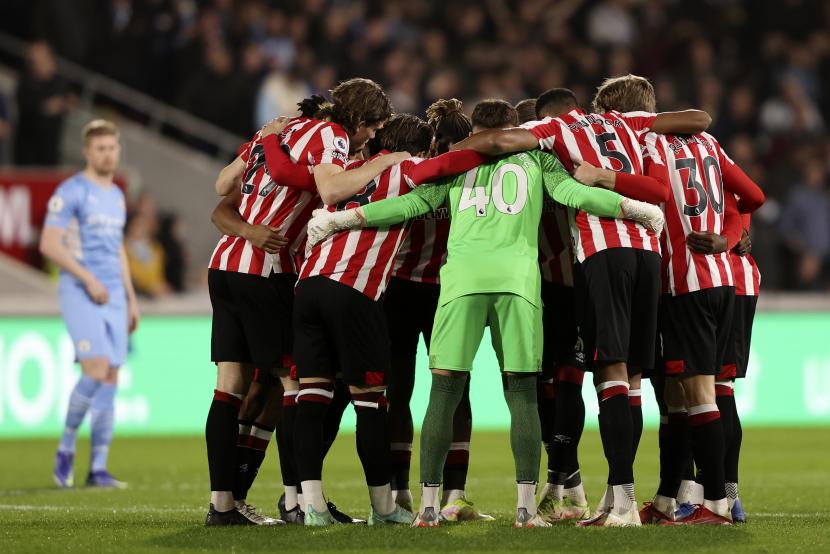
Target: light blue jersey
x=94, y=219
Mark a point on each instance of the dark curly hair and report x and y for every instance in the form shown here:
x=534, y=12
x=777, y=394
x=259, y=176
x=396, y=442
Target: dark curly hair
x=450, y=122
x=359, y=100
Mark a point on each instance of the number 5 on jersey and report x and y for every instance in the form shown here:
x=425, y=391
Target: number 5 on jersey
x=476, y=196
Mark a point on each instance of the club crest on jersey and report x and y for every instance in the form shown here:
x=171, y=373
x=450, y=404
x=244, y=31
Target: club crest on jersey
x=55, y=204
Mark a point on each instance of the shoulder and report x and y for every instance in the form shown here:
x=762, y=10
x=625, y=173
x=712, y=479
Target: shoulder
x=72, y=187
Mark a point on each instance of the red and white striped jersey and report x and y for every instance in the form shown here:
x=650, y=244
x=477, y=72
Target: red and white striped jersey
x=308, y=142
x=610, y=141
x=362, y=258
x=692, y=166
x=555, y=250
x=424, y=248
x=745, y=271
x=746, y=275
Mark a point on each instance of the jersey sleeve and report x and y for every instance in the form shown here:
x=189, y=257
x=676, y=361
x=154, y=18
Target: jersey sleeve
x=388, y=212
x=445, y=165
x=285, y=172
x=64, y=205
x=244, y=151
x=546, y=132
x=566, y=190
x=640, y=122
x=330, y=146
x=732, y=221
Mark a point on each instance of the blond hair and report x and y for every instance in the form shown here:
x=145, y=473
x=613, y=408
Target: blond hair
x=628, y=93
x=99, y=128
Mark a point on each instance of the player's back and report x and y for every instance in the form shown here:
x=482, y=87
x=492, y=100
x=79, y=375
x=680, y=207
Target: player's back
x=493, y=241
x=611, y=141
x=691, y=165
x=308, y=142
x=362, y=258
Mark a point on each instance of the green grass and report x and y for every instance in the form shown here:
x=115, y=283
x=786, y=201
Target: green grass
x=784, y=489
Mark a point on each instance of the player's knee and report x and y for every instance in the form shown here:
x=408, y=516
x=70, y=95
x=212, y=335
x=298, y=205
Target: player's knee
x=699, y=389
x=611, y=372
x=519, y=382
x=233, y=377
x=96, y=368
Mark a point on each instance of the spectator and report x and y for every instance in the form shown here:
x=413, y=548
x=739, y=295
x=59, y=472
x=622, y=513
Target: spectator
x=43, y=100
x=805, y=227
x=145, y=257
x=172, y=240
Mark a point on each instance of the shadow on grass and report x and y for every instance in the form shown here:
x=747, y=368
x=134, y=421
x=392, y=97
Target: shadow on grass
x=491, y=537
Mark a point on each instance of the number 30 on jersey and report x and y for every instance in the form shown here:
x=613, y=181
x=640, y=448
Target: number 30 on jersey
x=476, y=196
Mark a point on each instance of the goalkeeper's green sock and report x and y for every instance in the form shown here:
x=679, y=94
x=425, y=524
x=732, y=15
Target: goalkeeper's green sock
x=436, y=431
x=525, y=429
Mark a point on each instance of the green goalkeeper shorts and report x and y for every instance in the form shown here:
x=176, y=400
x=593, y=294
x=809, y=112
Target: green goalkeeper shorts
x=515, y=328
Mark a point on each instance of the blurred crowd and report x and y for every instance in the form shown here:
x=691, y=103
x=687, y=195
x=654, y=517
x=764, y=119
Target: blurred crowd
x=156, y=249
x=759, y=67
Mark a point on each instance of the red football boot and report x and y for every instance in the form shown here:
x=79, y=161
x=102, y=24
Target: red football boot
x=701, y=516
x=650, y=515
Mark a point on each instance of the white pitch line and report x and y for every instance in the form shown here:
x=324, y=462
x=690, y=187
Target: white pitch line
x=128, y=509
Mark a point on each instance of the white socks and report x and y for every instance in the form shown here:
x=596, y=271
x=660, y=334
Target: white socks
x=576, y=494
x=690, y=492
x=527, y=497
x=313, y=496
x=222, y=500
x=665, y=505
x=451, y=495
x=291, y=499
x=720, y=507
x=624, y=500
x=429, y=498
x=382, y=500
x=554, y=491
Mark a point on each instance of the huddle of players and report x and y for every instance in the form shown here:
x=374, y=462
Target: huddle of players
x=339, y=321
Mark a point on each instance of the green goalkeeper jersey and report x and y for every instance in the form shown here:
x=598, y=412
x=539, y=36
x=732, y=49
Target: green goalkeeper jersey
x=494, y=213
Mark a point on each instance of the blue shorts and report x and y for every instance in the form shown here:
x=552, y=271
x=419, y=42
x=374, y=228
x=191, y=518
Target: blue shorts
x=96, y=330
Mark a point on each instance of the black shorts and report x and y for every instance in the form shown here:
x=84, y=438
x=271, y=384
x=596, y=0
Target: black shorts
x=560, y=328
x=410, y=311
x=736, y=360
x=695, y=329
x=339, y=331
x=617, y=292
x=251, y=318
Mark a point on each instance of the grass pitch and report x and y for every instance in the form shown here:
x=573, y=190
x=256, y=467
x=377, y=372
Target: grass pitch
x=784, y=490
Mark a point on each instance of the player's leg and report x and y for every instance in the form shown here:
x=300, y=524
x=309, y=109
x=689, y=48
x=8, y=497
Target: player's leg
x=737, y=353
x=230, y=352
x=611, y=277
x=290, y=504
x=516, y=331
x=264, y=307
x=635, y=404
x=402, y=314
x=221, y=435
x=262, y=413
x=456, y=334
x=546, y=393
x=331, y=427
x=707, y=320
x=563, y=496
x=87, y=329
